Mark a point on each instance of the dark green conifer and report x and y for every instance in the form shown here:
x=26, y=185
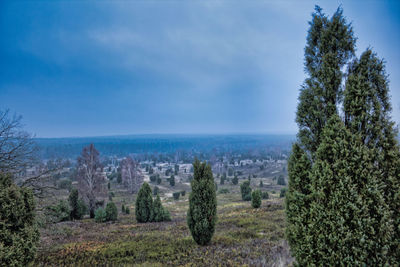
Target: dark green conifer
x=111, y=211
x=202, y=213
x=256, y=198
x=144, y=204
x=159, y=212
x=235, y=180
x=330, y=45
x=245, y=190
x=350, y=222
x=343, y=203
x=367, y=114
x=172, y=180
x=19, y=234
x=298, y=201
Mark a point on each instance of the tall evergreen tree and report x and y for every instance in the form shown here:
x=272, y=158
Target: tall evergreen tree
x=144, y=204
x=330, y=44
x=343, y=202
x=202, y=213
x=367, y=113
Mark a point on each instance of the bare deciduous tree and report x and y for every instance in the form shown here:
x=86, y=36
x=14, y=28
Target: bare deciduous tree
x=131, y=175
x=90, y=178
x=17, y=148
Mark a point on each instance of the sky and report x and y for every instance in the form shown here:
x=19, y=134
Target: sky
x=95, y=68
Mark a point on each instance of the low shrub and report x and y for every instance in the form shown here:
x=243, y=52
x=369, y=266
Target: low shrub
x=265, y=195
x=159, y=212
x=111, y=212
x=176, y=195
x=100, y=215
x=58, y=213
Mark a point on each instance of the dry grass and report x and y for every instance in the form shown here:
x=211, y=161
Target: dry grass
x=244, y=237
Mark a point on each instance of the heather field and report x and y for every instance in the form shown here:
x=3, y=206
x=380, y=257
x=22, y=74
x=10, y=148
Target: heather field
x=244, y=237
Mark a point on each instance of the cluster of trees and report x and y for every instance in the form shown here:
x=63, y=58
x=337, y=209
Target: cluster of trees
x=253, y=196
x=110, y=213
x=343, y=201
x=149, y=210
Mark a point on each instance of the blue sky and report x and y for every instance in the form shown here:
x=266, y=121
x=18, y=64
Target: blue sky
x=73, y=68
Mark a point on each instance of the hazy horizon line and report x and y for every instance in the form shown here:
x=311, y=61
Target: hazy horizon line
x=167, y=134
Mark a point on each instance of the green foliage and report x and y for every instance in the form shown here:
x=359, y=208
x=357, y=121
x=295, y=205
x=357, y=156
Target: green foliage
x=159, y=212
x=82, y=209
x=330, y=45
x=19, y=234
x=202, y=213
x=111, y=212
x=176, y=195
x=144, y=204
x=367, y=113
x=265, y=195
x=230, y=172
x=159, y=180
x=77, y=207
x=59, y=212
x=73, y=203
x=283, y=192
x=281, y=180
x=123, y=208
x=245, y=190
x=261, y=184
x=344, y=166
x=256, y=198
x=235, y=180
x=172, y=180
x=183, y=193
x=343, y=202
x=100, y=215
x=127, y=211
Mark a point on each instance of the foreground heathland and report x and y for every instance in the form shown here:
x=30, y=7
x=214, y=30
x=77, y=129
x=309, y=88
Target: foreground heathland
x=243, y=236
